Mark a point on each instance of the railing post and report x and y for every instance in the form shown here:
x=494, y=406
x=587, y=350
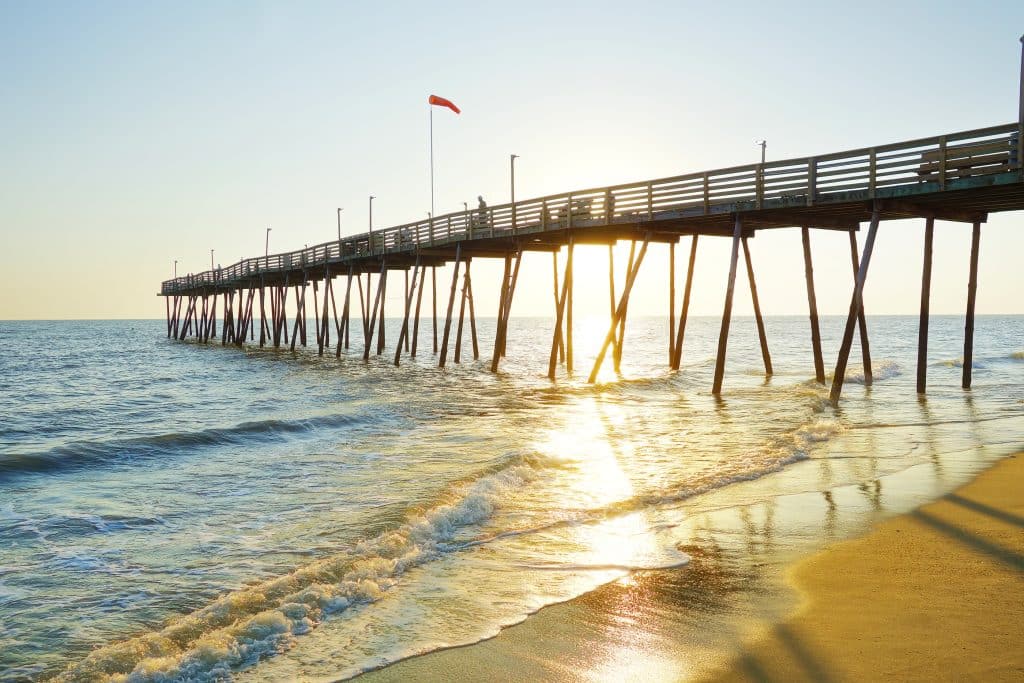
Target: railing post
x=650, y=201
x=568, y=211
x=759, y=186
x=872, y=170
x=544, y=215
x=942, y=162
x=812, y=180
x=707, y=195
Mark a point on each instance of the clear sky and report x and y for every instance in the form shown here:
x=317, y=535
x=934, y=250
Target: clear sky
x=133, y=134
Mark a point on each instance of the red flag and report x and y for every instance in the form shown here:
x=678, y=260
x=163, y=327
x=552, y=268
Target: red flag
x=440, y=101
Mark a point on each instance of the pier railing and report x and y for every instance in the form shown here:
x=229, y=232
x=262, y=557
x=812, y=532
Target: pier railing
x=936, y=164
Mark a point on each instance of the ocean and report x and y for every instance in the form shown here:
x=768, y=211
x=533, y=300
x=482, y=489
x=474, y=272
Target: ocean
x=178, y=511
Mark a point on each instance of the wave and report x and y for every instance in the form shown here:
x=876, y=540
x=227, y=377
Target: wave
x=86, y=453
x=239, y=628
x=880, y=370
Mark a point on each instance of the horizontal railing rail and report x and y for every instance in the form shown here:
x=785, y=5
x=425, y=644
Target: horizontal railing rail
x=927, y=162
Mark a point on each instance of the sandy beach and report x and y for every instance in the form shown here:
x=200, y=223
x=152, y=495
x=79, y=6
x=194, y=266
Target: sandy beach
x=936, y=594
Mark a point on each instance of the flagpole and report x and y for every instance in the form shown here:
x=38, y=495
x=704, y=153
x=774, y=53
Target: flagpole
x=431, y=108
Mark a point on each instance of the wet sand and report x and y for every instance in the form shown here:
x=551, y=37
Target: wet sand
x=936, y=594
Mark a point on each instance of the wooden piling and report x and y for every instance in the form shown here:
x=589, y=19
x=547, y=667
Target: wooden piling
x=812, y=307
x=554, y=292
x=855, y=309
x=556, y=337
x=671, y=303
x=511, y=295
x=620, y=342
x=685, y=312
x=403, y=335
x=451, y=305
x=462, y=312
x=865, y=348
x=433, y=293
x=499, y=328
x=383, y=298
x=568, y=309
x=922, y=324
x=416, y=318
x=972, y=292
x=611, y=293
x=472, y=315
x=762, y=337
x=723, y=334
x=620, y=311
x=372, y=317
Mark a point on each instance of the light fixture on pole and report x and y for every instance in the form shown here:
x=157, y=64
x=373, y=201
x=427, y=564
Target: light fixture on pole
x=339, y=223
x=763, y=144
x=175, y=268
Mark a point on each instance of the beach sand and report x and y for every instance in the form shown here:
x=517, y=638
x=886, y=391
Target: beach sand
x=936, y=594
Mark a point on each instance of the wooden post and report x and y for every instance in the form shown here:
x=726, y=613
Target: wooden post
x=684, y=314
x=403, y=336
x=419, y=302
x=213, y=318
x=343, y=336
x=451, y=305
x=611, y=294
x=264, y=329
x=556, y=338
x=406, y=274
x=372, y=317
x=972, y=291
x=462, y=314
x=383, y=298
x=812, y=306
x=167, y=306
x=568, y=312
x=620, y=311
x=472, y=315
x=433, y=293
x=865, y=348
x=511, y=294
x=554, y=292
x=620, y=342
x=723, y=334
x=765, y=356
x=300, y=313
x=671, y=303
x=316, y=314
x=855, y=307
x=501, y=312
x=363, y=313
x=922, y=325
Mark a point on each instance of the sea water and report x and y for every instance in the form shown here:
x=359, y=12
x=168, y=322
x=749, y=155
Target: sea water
x=178, y=511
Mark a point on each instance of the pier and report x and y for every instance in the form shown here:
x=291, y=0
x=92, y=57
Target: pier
x=962, y=177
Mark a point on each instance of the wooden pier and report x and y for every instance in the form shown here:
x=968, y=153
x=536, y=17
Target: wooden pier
x=960, y=177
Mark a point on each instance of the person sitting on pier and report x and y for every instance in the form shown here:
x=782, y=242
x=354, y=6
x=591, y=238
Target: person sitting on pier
x=481, y=212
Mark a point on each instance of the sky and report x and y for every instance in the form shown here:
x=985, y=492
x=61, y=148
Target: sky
x=136, y=134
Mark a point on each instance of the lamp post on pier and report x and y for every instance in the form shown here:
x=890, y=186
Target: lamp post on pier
x=339, y=223
x=211, y=260
x=175, y=268
x=266, y=251
x=512, y=165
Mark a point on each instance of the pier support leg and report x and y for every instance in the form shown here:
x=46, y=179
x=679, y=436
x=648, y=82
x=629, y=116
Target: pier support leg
x=383, y=297
x=620, y=311
x=762, y=337
x=372, y=317
x=557, y=337
x=403, y=336
x=611, y=294
x=972, y=291
x=922, y=325
x=345, y=310
x=451, y=305
x=416, y=317
x=472, y=316
x=300, y=313
x=433, y=293
x=671, y=303
x=554, y=292
x=363, y=312
x=620, y=342
x=213, y=317
x=812, y=307
x=684, y=314
x=865, y=348
x=723, y=334
x=508, y=288
x=462, y=313
x=855, y=308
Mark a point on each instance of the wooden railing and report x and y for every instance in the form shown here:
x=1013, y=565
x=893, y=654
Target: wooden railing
x=917, y=166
